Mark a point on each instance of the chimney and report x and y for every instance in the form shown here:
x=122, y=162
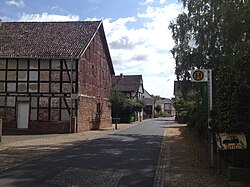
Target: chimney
x=121, y=75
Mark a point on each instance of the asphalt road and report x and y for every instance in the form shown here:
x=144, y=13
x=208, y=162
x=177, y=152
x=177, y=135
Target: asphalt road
x=126, y=158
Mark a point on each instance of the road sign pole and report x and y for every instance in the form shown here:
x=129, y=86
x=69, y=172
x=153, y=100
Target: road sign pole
x=210, y=103
x=210, y=89
x=205, y=75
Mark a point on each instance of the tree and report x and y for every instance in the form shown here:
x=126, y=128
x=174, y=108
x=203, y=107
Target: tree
x=140, y=104
x=117, y=100
x=123, y=107
x=215, y=34
x=131, y=107
x=192, y=111
x=158, y=108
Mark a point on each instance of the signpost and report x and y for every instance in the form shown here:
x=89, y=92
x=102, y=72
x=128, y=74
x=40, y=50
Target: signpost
x=205, y=75
x=199, y=75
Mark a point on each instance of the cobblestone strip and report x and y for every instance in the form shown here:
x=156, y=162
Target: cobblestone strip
x=86, y=178
x=161, y=177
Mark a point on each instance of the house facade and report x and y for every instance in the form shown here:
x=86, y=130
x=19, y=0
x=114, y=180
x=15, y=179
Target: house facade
x=166, y=106
x=131, y=86
x=150, y=108
x=55, y=76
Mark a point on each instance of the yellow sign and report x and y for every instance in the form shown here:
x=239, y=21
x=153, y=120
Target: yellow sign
x=227, y=141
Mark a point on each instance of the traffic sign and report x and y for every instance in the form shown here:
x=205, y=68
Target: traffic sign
x=199, y=75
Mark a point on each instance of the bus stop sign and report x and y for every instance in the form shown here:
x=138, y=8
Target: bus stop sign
x=199, y=75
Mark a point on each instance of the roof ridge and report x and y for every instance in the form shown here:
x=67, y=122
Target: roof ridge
x=56, y=39
x=51, y=21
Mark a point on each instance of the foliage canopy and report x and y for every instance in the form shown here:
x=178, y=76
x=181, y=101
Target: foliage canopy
x=123, y=107
x=215, y=34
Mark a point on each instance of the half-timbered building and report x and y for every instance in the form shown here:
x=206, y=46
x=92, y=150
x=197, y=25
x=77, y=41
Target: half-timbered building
x=55, y=76
x=131, y=86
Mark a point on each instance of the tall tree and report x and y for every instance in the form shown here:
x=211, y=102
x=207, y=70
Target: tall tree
x=215, y=34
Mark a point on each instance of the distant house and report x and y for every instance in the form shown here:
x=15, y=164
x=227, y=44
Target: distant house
x=150, y=108
x=131, y=86
x=53, y=72
x=166, y=106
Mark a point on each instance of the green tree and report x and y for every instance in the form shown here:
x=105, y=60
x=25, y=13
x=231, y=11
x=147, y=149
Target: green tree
x=132, y=107
x=158, y=108
x=215, y=34
x=140, y=104
x=117, y=100
x=191, y=110
x=123, y=107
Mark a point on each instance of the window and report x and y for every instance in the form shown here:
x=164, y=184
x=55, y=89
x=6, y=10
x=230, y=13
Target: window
x=93, y=69
x=98, y=108
x=167, y=106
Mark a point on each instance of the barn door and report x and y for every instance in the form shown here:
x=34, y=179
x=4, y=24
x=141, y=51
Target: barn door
x=23, y=115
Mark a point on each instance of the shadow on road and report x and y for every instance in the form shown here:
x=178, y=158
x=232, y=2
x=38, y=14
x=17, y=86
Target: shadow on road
x=134, y=157
x=14, y=132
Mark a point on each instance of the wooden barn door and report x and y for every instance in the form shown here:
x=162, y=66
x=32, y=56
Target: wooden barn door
x=23, y=115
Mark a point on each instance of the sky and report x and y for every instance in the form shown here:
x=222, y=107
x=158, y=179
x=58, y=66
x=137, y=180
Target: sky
x=136, y=30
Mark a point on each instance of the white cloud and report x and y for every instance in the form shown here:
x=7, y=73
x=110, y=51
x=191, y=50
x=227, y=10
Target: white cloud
x=146, y=2
x=18, y=3
x=138, y=45
x=162, y=1
x=145, y=50
x=5, y=18
x=47, y=17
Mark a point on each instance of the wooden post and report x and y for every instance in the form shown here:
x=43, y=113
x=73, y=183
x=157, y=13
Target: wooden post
x=1, y=129
x=116, y=120
x=73, y=124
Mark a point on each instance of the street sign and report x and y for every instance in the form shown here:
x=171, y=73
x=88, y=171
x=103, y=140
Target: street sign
x=199, y=75
x=227, y=141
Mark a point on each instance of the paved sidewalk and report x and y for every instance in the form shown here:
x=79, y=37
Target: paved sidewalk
x=184, y=163
x=18, y=149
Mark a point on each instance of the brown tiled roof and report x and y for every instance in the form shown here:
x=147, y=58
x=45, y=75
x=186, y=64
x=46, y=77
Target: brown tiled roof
x=46, y=39
x=163, y=101
x=149, y=101
x=127, y=83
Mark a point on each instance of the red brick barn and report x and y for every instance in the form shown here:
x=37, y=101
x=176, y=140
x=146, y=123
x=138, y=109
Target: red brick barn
x=52, y=71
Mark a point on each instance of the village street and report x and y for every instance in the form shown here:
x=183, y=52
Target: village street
x=137, y=156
